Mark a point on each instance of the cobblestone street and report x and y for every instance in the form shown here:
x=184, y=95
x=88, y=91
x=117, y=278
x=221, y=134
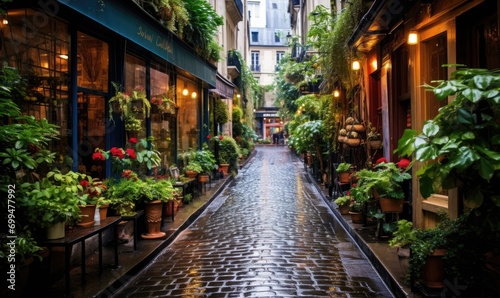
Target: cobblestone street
x=267, y=235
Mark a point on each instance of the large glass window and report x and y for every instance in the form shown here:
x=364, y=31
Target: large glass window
x=41, y=55
x=188, y=114
x=92, y=78
x=163, y=114
x=434, y=57
x=135, y=77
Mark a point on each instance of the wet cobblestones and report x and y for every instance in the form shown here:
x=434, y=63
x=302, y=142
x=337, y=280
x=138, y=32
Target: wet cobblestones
x=266, y=235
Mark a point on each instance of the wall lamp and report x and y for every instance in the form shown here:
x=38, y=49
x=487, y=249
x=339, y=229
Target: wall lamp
x=355, y=65
x=412, y=37
x=336, y=93
x=194, y=95
x=185, y=91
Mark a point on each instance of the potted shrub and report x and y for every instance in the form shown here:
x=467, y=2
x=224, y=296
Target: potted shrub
x=228, y=153
x=460, y=149
x=344, y=172
x=343, y=203
x=388, y=184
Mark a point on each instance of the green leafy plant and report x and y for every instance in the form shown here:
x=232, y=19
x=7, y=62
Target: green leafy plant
x=193, y=166
x=343, y=167
x=343, y=200
x=404, y=235
x=157, y=189
x=206, y=159
x=125, y=192
x=53, y=199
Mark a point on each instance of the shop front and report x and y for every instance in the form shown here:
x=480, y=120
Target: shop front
x=72, y=54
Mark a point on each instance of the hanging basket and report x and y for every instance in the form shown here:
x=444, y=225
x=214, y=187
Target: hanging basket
x=341, y=139
x=355, y=127
x=353, y=142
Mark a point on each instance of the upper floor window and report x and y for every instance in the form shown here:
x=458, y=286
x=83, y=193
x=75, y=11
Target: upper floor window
x=279, y=56
x=255, y=61
x=255, y=36
x=277, y=36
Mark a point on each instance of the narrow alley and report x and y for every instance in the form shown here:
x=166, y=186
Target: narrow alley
x=268, y=234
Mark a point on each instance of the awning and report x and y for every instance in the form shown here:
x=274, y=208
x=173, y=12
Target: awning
x=223, y=87
x=150, y=36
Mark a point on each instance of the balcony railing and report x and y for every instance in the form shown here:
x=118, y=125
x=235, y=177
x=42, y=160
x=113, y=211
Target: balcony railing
x=233, y=64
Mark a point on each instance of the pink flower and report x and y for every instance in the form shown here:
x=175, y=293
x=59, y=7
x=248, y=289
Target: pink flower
x=98, y=156
x=403, y=163
x=381, y=160
x=131, y=153
x=133, y=140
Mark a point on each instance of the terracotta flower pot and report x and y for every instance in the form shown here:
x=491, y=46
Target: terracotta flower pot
x=190, y=174
x=353, y=142
x=344, y=209
x=103, y=211
x=88, y=213
x=153, y=213
x=224, y=167
x=375, y=144
x=344, y=177
x=390, y=205
x=202, y=178
x=357, y=217
x=433, y=272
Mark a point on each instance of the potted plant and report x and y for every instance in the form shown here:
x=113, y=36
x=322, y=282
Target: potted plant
x=402, y=238
x=206, y=160
x=352, y=139
x=388, y=184
x=154, y=193
x=344, y=172
x=356, y=211
x=374, y=138
x=228, y=153
x=192, y=169
x=342, y=135
x=124, y=193
x=343, y=203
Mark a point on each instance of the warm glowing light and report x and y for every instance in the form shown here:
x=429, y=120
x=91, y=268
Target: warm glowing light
x=185, y=92
x=238, y=95
x=194, y=95
x=5, y=22
x=62, y=56
x=336, y=93
x=356, y=65
x=374, y=64
x=412, y=37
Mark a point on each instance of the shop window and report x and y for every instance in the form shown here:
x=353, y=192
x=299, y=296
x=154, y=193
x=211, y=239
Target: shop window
x=135, y=77
x=188, y=115
x=42, y=57
x=92, y=78
x=163, y=114
x=92, y=63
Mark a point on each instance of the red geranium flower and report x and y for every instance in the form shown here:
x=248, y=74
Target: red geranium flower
x=98, y=156
x=381, y=160
x=403, y=163
x=118, y=152
x=208, y=137
x=84, y=183
x=221, y=138
x=133, y=140
x=131, y=153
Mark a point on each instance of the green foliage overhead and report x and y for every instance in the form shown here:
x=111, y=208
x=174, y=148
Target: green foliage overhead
x=221, y=112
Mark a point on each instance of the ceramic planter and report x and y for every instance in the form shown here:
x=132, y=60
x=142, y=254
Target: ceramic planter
x=225, y=168
x=88, y=213
x=57, y=231
x=433, y=272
